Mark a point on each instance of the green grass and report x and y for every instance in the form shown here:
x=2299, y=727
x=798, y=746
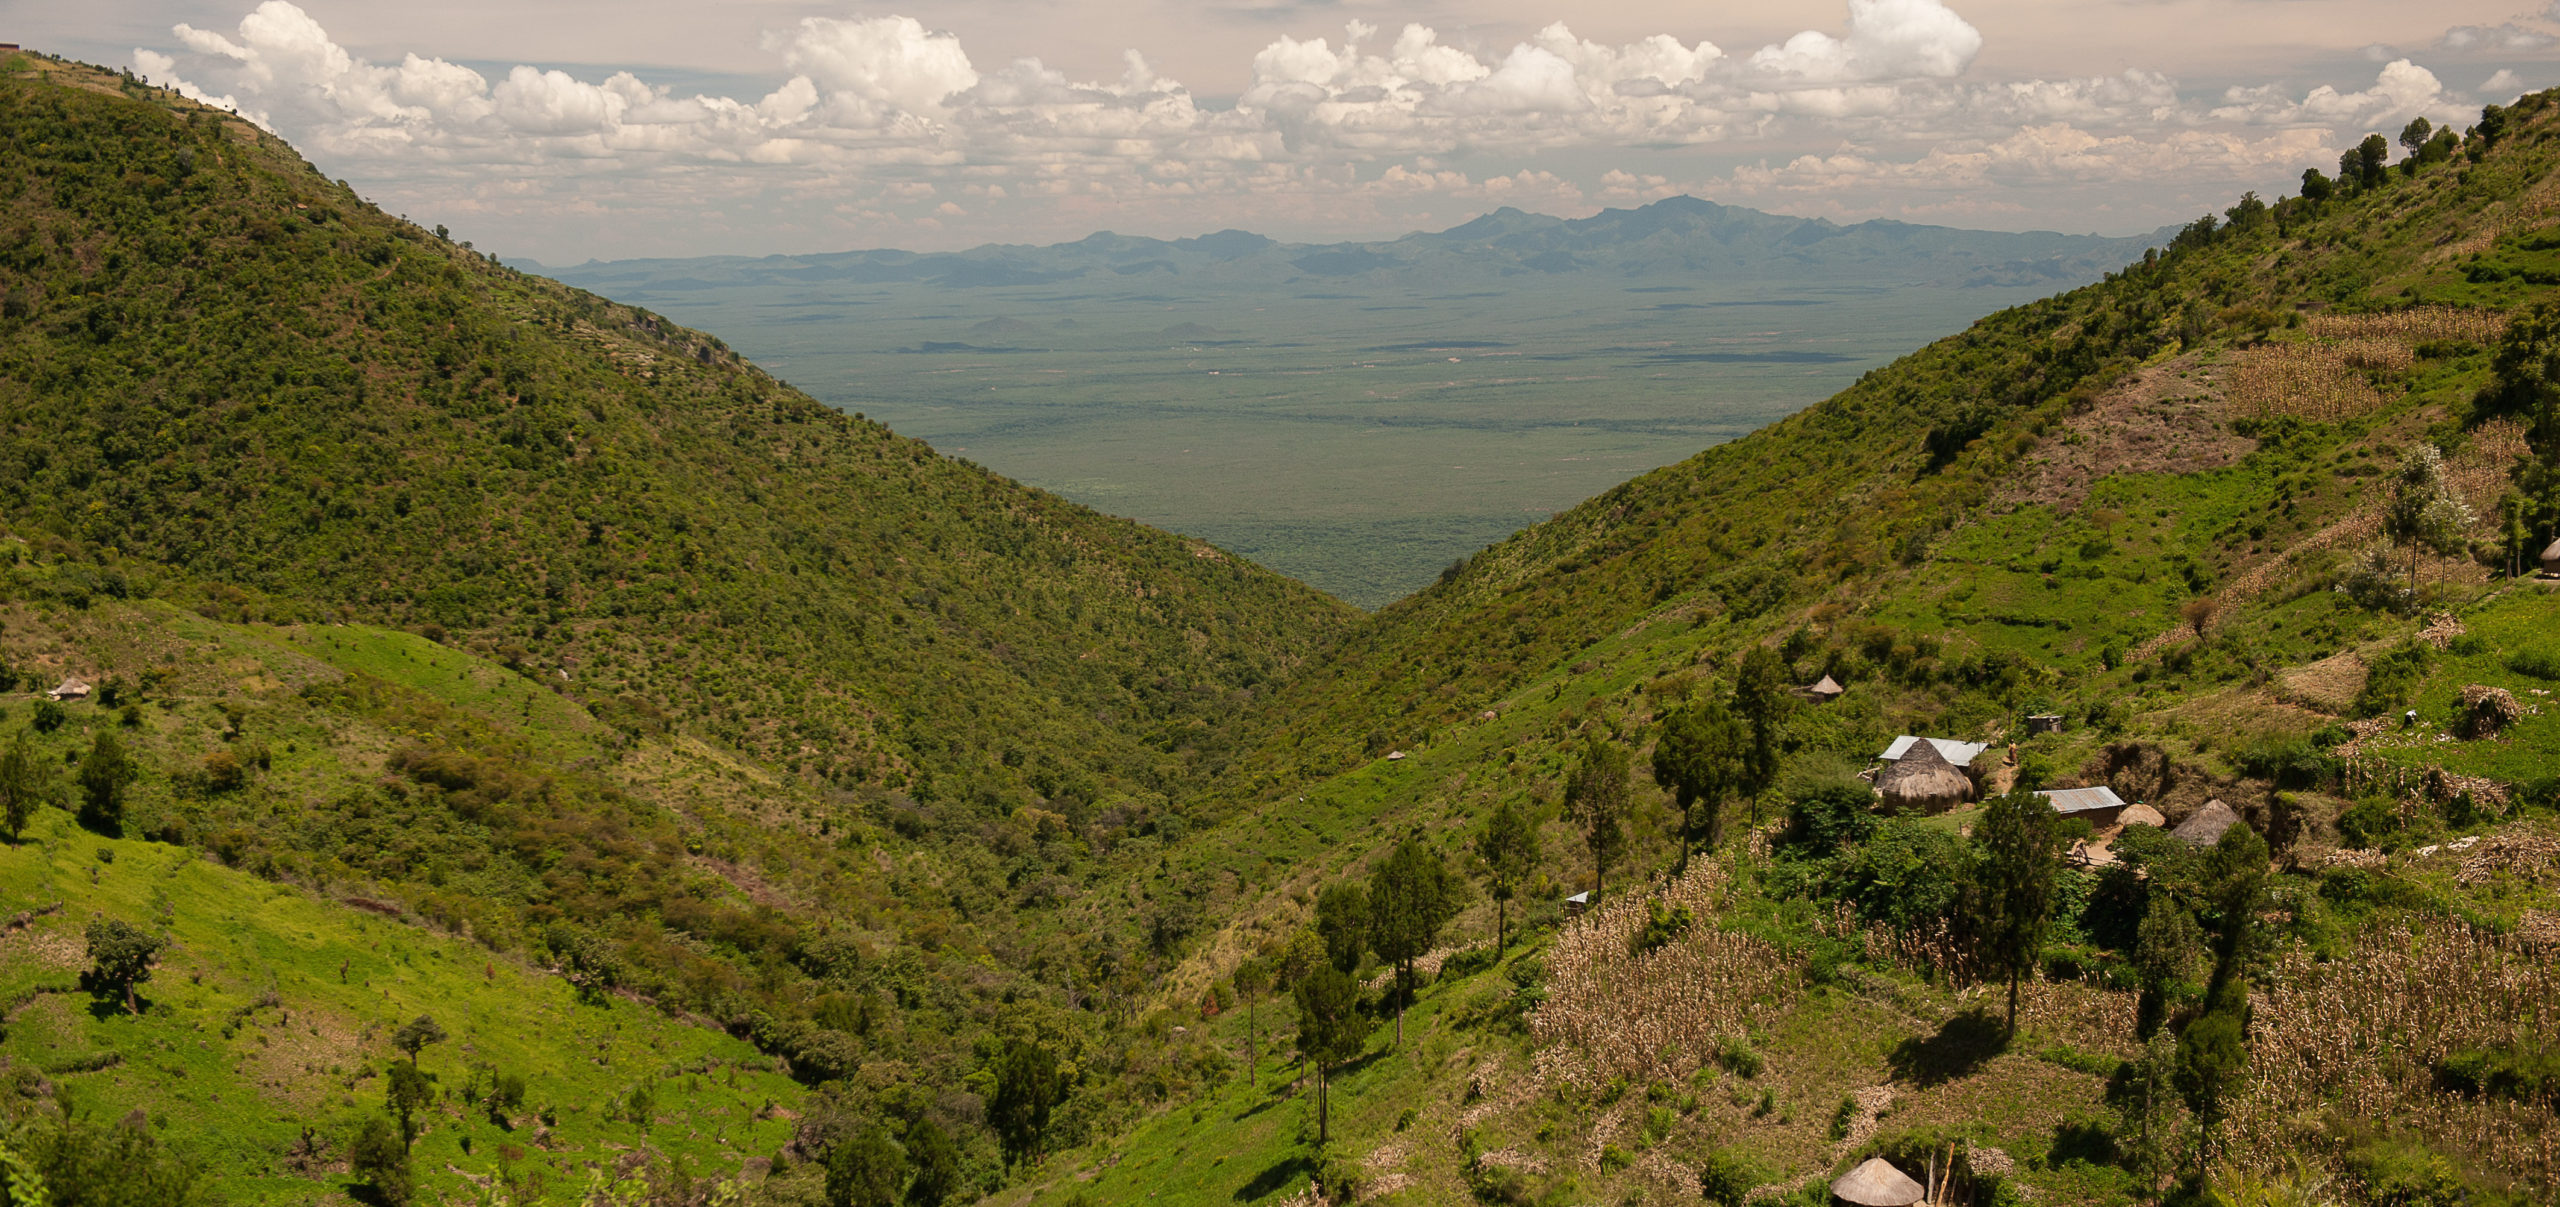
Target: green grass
x=231, y=1083
x=2522, y=617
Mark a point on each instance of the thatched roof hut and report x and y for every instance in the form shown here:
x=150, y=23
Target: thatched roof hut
x=2140, y=815
x=2206, y=827
x=1876, y=1183
x=71, y=689
x=2551, y=560
x=1923, y=780
x=1826, y=691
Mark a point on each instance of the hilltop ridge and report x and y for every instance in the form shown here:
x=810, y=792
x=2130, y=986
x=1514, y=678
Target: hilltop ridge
x=1673, y=237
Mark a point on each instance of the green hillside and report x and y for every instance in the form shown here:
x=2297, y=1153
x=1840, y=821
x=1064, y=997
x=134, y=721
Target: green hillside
x=2148, y=507
x=1000, y=850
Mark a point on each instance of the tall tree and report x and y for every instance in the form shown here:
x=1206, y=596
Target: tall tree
x=1412, y=896
x=2018, y=843
x=1252, y=979
x=2373, y=160
x=2424, y=512
x=407, y=1093
x=1763, y=696
x=25, y=783
x=1028, y=1087
x=105, y=772
x=1508, y=852
x=414, y=1035
x=865, y=1170
x=2213, y=1050
x=1596, y=797
x=381, y=1159
x=1342, y=921
x=1329, y=1032
x=1701, y=753
x=937, y=1161
x=2415, y=135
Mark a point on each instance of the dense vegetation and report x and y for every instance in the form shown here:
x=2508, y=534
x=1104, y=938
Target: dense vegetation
x=1041, y=851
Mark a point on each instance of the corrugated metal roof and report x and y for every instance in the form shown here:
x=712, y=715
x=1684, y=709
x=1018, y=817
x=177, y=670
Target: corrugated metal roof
x=2082, y=800
x=1959, y=753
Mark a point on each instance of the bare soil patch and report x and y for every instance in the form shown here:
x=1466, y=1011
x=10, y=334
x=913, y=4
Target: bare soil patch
x=2169, y=418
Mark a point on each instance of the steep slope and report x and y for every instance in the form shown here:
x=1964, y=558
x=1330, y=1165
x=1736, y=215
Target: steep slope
x=2151, y=508
x=409, y=581
x=218, y=362
x=1832, y=511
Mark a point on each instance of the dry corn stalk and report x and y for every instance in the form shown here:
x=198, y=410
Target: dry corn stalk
x=2417, y=324
x=2307, y=381
x=1653, y=1016
x=2363, y=1039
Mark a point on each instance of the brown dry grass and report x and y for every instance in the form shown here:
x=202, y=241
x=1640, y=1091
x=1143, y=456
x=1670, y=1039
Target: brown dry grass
x=1611, y=1013
x=2417, y=324
x=2321, y=381
x=2167, y=418
x=2359, y=1040
x=2329, y=685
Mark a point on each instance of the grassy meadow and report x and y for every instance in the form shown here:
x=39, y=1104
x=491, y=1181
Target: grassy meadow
x=266, y=1027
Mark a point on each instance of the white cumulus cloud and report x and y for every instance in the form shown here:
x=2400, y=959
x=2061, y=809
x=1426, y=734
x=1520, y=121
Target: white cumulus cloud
x=881, y=122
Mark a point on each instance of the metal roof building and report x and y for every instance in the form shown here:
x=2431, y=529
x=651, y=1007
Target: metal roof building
x=1960, y=754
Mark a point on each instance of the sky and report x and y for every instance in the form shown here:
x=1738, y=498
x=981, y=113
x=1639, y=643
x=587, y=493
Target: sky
x=564, y=130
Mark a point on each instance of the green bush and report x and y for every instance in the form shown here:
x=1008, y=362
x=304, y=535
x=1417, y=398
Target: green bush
x=1726, y=1176
x=2405, y=1173
x=2394, y=678
x=2540, y=663
x=1661, y=925
x=2515, y=1073
x=2368, y=822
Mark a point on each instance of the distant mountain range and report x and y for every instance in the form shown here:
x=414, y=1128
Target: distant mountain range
x=1680, y=237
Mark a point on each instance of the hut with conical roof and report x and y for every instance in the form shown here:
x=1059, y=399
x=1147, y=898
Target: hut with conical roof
x=1826, y=691
x=1923, y=781
x=2551, y=561
x=2206, y=827
x=1876, y=1183
x=2141, y=815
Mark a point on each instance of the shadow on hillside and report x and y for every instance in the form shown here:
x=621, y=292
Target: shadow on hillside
x=1273, y=1180
x=1966, y=1043
x=1271, y=1097
x=1360, y=1063
x=2087, y=1143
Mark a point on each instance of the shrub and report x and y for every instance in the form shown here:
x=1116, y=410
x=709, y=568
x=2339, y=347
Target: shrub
x=2394, y=678
x=2538, y=663
x=2368, y=822
x=2517, y=1074
x=377, y=1157
x=1662, y=924
x=1726, y=1176
x=1828, y=818
x=1904, y=876
x=223, y=773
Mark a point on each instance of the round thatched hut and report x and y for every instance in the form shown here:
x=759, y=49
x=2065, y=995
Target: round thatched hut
x=2206, y=827
x=2551, y=561
x=1876, y=1183
x=1922, y=780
